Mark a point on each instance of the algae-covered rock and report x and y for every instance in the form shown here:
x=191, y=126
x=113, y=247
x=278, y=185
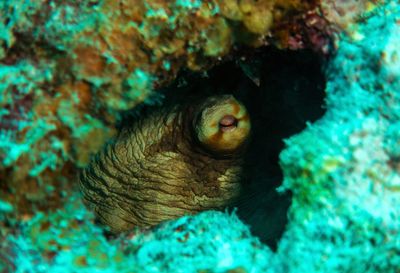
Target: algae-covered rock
x=345, y=214
x=67, y=241
x=342, y=170
x=68, y=69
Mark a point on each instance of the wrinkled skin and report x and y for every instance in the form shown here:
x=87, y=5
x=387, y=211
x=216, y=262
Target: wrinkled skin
x=175, y=161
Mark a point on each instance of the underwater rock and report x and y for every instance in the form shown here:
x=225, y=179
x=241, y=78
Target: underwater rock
x=69, y=68
x=67, y=241
x=342, y=171
x=176, y=161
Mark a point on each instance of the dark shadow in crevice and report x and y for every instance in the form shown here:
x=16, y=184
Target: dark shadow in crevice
x=282, y=90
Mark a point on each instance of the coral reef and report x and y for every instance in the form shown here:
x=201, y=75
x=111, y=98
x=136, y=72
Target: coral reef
x=67, y=241
x=69, y=68
x=343, y=170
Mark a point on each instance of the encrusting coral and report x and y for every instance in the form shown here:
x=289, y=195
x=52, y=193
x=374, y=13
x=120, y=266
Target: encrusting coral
x=67, y=241
x=68, y=69
x=342, y=170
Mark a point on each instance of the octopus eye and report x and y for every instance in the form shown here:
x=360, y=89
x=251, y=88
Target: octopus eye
x=227, y=123
x=222, y=124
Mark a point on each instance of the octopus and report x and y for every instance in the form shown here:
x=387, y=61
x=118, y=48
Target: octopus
x=176, y=161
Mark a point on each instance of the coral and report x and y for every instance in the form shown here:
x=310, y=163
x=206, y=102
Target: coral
x=345, y=14
x=257, y=17
x=343, y=170
x=69, y=68
x=68, y=241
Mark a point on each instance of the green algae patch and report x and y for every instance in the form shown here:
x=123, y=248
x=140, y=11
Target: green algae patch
x=342, y=170
x=84, y=63
x=67, y=241
x=343, y=215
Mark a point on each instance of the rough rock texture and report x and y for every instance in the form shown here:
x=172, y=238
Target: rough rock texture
x=68, y=69
x=67, y=241
x=343, y=172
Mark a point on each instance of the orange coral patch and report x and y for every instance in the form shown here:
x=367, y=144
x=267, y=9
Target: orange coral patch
x=91, y=63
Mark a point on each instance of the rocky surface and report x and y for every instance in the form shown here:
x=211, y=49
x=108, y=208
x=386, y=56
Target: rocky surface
x=342, y=170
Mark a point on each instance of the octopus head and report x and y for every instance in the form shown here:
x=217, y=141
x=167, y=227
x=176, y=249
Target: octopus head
x=222, y=125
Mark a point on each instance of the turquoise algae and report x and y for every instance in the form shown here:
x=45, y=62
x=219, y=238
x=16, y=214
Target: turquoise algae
x=342, y=171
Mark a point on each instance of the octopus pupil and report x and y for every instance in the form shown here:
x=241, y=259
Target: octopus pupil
x=228, y=123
